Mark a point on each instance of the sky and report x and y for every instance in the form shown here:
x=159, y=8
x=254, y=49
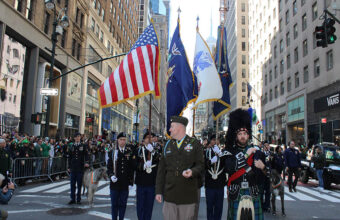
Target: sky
x=207, y=10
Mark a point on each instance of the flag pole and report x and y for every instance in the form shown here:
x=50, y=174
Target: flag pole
x=217, y=127
x=193, y=123
x=150, y=106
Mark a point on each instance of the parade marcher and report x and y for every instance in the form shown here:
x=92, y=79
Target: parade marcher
x=293, y=164
x=120, y=168
x=5, y=160
x=147, y=158
x=319, y=163
x=215, y=179
x=78, y=160
x=278, y=161
x=245, y=167
x=265, y=189
x=180, y=167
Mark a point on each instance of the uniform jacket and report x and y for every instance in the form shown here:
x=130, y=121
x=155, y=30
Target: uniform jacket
x=124, y=169
x=5, y=161
x=170, y=182
x=319, y=161
x=78, y=156
x=220, y=182
x=292, y=158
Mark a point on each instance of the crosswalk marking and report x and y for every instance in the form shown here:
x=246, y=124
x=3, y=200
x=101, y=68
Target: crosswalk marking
x=318, y=194
x=102, y=215
x=44, y=187
x=59, y=189
x=104, y=191
x=300, y=196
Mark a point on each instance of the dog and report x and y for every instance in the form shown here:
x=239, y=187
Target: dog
x=277, y=188
x=91, y=179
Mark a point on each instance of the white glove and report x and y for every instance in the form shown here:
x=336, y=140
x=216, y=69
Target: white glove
x=114, y=179
x=216, y=149
x=147, y=164
x=213, y=160
x=149, y=147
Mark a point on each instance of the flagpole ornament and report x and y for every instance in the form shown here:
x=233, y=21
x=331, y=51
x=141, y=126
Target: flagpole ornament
x=179, y=12
x=197, y=19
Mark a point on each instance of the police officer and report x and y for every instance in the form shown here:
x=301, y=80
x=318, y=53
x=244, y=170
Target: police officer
x=5, y=160
x=265, y=188
x=147, y=158
x=215, y=179
x=120, y=167
x=77, y=160
x=180, y=166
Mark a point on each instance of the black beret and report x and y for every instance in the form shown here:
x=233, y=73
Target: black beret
x=146, y=135
x=76, y=134
x=121, y=134
x=179, y=119
x=212, y=137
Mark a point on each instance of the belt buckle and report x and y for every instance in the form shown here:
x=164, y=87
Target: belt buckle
x=244, y=185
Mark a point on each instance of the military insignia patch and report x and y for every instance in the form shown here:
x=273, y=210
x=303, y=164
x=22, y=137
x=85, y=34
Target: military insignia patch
x=188, y=148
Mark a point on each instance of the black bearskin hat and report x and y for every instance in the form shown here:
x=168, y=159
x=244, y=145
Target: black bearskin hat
x=238, y=119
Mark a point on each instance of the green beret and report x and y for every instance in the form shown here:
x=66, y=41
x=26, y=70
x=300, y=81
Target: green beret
x=179, y=119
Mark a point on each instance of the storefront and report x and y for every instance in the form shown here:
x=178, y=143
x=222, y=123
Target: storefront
x=71, y=125
x=324, y=117
x=92, y=109
x=295, y=120
x=275, y=126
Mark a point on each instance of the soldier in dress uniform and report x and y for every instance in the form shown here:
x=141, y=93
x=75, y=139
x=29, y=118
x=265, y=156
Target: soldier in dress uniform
x=215, y=179
x=178, y=174
x=78, y=159
x=5, y=159
x=120, y=167
x=147, y=158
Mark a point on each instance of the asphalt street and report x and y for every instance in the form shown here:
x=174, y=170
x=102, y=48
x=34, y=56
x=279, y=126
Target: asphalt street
x=39, y=201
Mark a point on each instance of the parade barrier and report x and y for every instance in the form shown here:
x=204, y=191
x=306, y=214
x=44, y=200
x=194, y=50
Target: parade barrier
x=34, y=167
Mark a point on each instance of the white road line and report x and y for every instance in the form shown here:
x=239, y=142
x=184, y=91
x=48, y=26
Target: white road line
x=300, y=196
x=59, y=189
x=44, y=187
x=104, y=191
x=102, y=215
x=28, y=210
x=286, y=197
x=318, y=194
x=132, y=192
x=333, y=193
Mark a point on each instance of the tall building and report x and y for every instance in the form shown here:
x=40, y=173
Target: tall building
x=237, y=24
x=301, y=82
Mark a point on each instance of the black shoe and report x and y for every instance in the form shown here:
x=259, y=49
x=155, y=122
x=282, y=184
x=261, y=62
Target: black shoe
x=78, y=202
x=72, y=202
x=290, y=190
x=294, y=189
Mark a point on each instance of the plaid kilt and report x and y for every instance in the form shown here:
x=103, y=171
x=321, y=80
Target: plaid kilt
x=233, y=206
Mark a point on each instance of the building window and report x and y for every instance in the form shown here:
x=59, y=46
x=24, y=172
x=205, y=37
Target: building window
x=305, y=47
x=15, y=53
x=47, y=22
x=243, y=32
x=282, y=88
x=265, y=98
x=29, y=9
x=289, y=84
x=93, y=24
x=101, y=36
x=63, y=39
x=288, y=61
x=111, y=6
x=287, y=16
x=276, y=92
x=280, y=5
x=265, y=79
x=296, y=33
x=287, y=39
x=81, y=20
x=74, y=44
x=99, y=8
x=78, y=51
x=94, y=3
x=243, y=46
x=294, y=8
x=92, y=56
x=280, y=25
x=275, y=48
x=315, y=11
x=316, y=68
x=244, y=73
x=282, y=67
x=97, y=30
x=243, y=19
x=296, y=55
x=243, y=59
x=103, y=14
x=270, y=95
x=18, y=5
x=329, y=60
x=109, y=70
x=270, y=76
x=303, y=2
x=14, y=99
x=243, y=100
x=305, y=74
x=244, y=87
x=281, y=46
x=304, y=22
x=274, y=13
x=297, y=81
x=275, y=72
x=243, y=7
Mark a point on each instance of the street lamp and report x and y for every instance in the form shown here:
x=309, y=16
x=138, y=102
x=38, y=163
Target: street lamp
x=63, y=24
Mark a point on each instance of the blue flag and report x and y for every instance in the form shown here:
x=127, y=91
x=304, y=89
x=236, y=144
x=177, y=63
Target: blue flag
x=222, y=106
x=182, y=83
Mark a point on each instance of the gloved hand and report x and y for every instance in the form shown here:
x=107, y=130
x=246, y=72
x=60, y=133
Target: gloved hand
x=114, y=179
x=217, y=150
x=147, y=164
x=149, y=147
x=213, y=160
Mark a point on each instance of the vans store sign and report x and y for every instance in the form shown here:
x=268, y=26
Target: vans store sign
x=326, y=103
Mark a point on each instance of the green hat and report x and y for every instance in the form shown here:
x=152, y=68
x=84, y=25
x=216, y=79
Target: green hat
x=179, y=119
x=25, y=141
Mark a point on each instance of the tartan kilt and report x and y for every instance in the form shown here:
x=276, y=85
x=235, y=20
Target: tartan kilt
x=233, y=206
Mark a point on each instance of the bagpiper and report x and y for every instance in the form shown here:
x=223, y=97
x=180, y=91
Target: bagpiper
x=244, y=167
x=120, y=168
x=147, y=158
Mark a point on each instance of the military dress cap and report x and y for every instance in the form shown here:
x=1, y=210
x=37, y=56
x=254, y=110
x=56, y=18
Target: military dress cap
x=179, y=119
x=77, y=134
x=121, y=134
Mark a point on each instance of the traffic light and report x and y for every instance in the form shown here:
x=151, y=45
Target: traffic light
x=320, y=36
x=36, y=118
x=330, y=30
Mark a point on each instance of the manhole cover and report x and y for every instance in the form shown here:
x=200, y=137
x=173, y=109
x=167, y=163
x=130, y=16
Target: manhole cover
x=67, y=211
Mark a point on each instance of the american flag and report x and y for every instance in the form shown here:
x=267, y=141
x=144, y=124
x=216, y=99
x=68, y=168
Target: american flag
x=136, y=75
